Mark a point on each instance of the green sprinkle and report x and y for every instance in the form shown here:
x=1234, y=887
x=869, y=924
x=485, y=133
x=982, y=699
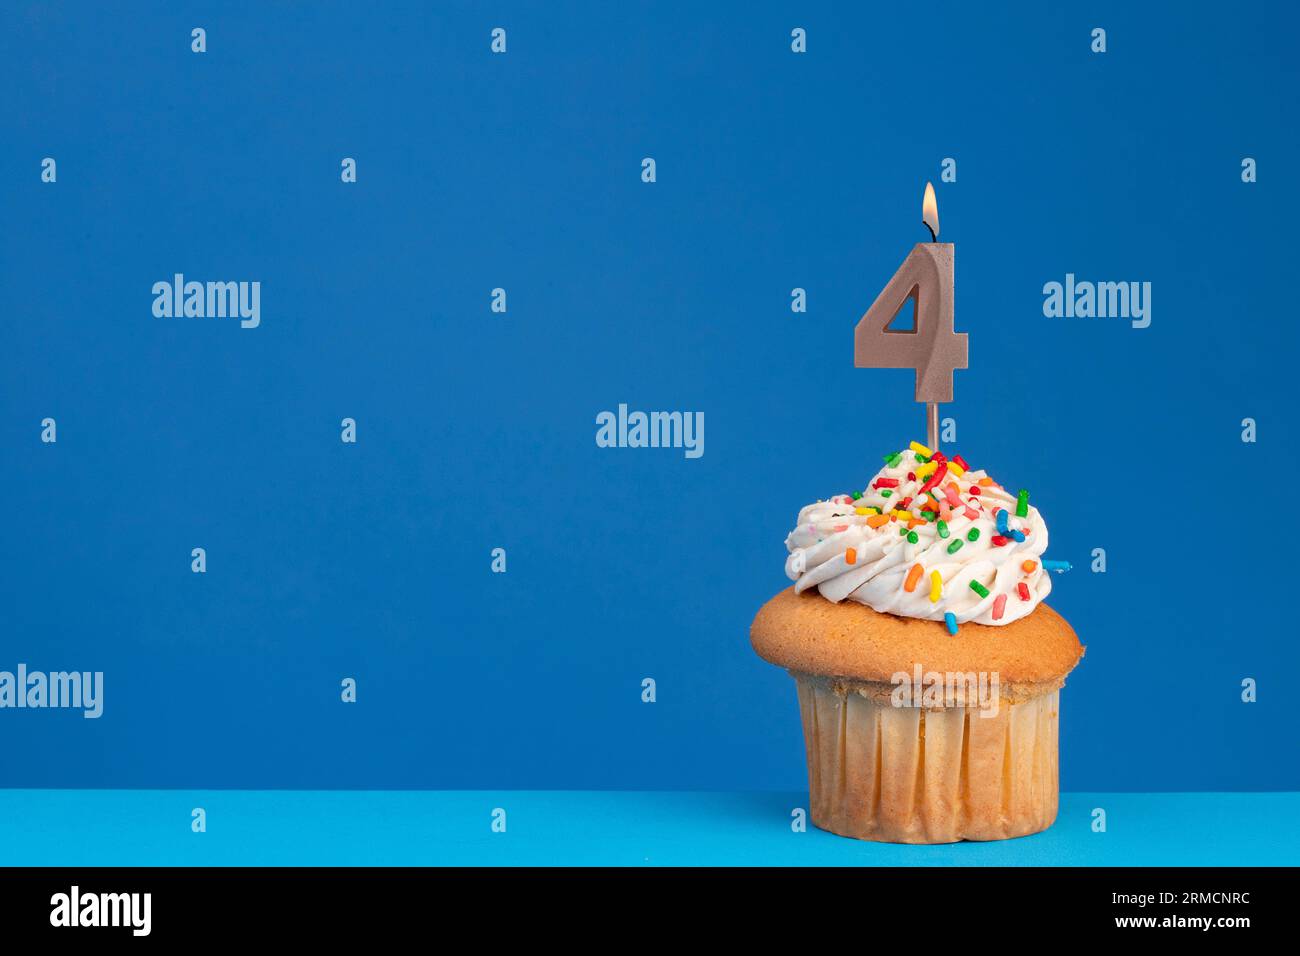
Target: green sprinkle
x=955, y=546
x=902, y=532
x=886, y=493
x=1022, y=504
x=973, y=534
x=892, y=458
x=921, y=459
x=857, y=495
x=912, y=538
x=943, y=529
x=929, y=515
x=979, y=589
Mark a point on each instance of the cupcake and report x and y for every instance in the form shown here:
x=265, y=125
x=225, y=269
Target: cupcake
x=928, y=667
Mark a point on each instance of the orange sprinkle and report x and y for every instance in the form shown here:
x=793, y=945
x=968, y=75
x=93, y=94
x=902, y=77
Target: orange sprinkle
x=986, y=482
x=1028, y=566
x=875, y=521
x=913, y=576
x=851, y=556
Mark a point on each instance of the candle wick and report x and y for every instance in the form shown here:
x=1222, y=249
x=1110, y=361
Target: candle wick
x=933, y=237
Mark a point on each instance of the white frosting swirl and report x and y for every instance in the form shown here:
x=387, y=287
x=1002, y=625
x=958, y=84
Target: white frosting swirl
x=883, y=557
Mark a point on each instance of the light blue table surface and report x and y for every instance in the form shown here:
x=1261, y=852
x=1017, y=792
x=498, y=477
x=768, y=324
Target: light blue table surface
x=153, y=827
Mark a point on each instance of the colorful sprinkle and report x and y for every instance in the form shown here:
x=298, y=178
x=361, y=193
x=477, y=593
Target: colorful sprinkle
x=1022, y=504
x=862, y=511
x=999, y=540
x=979, y=589
x=885, y=494
x=913, y=576
x=929, y=515
x=1057, y=566
x=960, y=462
x=955, y=546
x=912, y=537
x=875, y=521
x=1001, y=518
x=971, y=513
x=1023, y=590
x=1028, y=566
x=973, y=534
x=951, y=620
x=920, y=449
x=928, y=469
x=999, y=605
x=857, y=495
x=936, y=587
x=892, y=458
x=940, y=474
x=850, y=556
x=956, y=469
x=886, y=483
x=1017, y=535
x=974, y=489
x=943, y=528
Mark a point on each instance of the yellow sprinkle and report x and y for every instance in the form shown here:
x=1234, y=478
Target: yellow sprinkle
x=955, y=469
x=920, y=449
x=899, y=513
x=863, y=511
x=936, y=587
x=927, y=469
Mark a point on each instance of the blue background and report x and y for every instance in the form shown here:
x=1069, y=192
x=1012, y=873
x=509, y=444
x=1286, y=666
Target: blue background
x=476, y=430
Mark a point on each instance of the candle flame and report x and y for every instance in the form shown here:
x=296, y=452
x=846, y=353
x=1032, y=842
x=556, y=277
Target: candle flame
x=930, y=210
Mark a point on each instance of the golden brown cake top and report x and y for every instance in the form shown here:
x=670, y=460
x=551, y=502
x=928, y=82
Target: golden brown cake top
x=811, y=635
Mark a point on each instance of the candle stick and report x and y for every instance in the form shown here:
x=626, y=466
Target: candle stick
x=931, y=346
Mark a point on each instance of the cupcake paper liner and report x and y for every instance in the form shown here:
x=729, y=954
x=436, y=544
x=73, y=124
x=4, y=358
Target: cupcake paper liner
x=910, y=775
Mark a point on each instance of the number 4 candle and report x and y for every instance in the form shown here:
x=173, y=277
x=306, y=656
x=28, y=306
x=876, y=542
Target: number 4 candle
x=931, y=346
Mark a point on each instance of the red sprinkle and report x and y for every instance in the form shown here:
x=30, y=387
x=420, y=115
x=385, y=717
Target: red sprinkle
x=999, y=540
x=1023, y=590
x=999, y=605
x=974, y=489
x=911, y=476
x=886, y=483
x=959, y=460
x=939, y=475
x=902, y=505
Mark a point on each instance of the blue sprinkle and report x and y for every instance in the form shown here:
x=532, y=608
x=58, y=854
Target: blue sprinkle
x=1057, y=566
x=1002, y=523
x=951, y=620
x=1017, y=535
